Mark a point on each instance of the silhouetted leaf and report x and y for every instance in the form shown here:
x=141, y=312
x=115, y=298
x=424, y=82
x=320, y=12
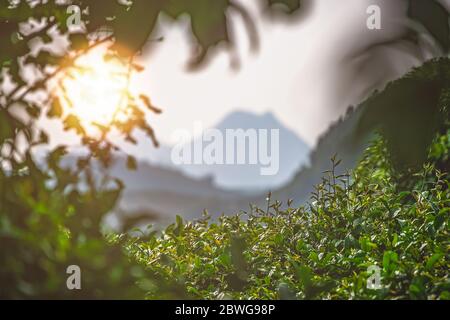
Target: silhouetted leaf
x=56, y=109
x=434, y=17
x=71, y=122
x=78, y=41
x=131, y=163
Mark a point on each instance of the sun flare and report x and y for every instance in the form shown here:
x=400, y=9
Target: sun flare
x=95, y=91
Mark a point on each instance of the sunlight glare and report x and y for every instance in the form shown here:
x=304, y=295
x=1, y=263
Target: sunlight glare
x=96, y=90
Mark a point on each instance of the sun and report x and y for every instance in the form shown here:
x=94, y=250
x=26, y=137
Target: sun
x=96, y=89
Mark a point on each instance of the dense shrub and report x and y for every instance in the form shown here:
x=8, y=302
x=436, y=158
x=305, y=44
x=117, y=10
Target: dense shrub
x=320, y=250
x=381, y=214
x=46, y=227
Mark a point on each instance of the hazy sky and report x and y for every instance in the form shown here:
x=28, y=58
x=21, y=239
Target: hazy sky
x=295, y=74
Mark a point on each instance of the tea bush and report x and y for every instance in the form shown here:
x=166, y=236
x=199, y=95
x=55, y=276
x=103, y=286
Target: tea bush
x=321, y=250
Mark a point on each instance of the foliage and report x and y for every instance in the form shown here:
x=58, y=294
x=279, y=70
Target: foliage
x=322, y=250
x=379, y=215
x=409, y=112
x=50, y=215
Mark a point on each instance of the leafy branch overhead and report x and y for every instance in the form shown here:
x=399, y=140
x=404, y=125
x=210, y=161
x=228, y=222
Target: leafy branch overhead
x=210, y=21
x=128, y=27
x=131, y=22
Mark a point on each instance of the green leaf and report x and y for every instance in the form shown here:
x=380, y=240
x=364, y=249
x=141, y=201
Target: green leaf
x=6, y=130
x=390, y=260
x=132, y=27
x=107, y=201
x=54, y=158
x=131, y=163
x=78, y=41
x=440, y=218
x=179, y=227
x=56, y=109
x=433, y=260
x=71, y=122
x=33, y=111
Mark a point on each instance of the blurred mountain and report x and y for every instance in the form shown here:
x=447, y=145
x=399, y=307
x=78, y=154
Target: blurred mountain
x=293, y=152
